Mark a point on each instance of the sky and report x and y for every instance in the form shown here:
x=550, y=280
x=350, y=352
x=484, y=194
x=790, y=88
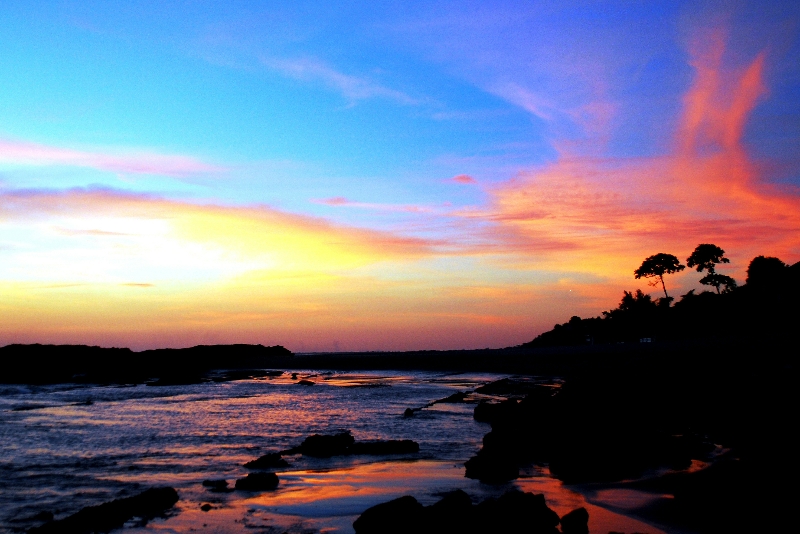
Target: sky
x=381, y=175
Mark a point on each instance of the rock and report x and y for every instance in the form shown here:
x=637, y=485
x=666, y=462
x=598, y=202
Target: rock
x=494, y=413
x=575, y=522
x=453, y=513
x=515, y=511
x=257, y=482
x=399, y=516
x=268, y=461
x=456, y=397
x=216, y=484
x=305, y=382
x=324, y=446
x=294, y=376
x=491, y=468
x=452, y=502
x=408, y=413
x=404, y=446
x=343, y=443
x=108, y=516
x=206, y=507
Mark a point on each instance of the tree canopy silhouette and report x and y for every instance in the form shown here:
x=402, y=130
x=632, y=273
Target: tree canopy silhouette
x=766, y=272
x=657, y=266
x=705, y=258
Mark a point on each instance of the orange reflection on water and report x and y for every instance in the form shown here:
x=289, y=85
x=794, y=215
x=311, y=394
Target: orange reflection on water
x=599, y=504
x=330, y=500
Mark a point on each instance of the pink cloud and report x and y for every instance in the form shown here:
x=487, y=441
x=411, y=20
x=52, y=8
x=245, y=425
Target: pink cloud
x=25, y=153
x=604, y=214
x=343, y=202
x=463, y=179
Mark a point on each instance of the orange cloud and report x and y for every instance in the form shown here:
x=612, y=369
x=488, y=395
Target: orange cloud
x=463, y=179
x=603, y=215
x=108, y=236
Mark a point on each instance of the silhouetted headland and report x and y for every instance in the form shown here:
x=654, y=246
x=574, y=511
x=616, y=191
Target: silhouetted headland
x=49, y=364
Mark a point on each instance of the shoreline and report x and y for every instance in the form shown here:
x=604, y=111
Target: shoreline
x=669, y=387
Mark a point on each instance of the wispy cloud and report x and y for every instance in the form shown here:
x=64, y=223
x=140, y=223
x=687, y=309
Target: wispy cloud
x=463, y=179
x=126, y=162
x=344, y=202
x=103, y=234
x=604, y=214
x=526, y=99
x=354, y=88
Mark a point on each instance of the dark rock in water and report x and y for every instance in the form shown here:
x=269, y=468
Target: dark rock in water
x=343, y=443
x=405, y=446
x=510, y=386
x=453, y=513
x=294, y=376
x=268, y=461
x=206, y=507
x=324, y=446
x=399, y=516
x=305, y=382
x=494, y=413
x=257, y=482
x=408, y=413
x=108, y=516
x=491, y=468
x=452, y=502
x=575, y=522
x=218, y=485
x=456, y=397
x=516, y=511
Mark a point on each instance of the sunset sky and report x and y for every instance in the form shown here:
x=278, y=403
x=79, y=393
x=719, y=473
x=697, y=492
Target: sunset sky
x=380, y=175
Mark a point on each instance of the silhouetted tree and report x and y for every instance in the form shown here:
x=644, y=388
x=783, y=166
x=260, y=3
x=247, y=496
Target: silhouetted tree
x=766, y=272
x=656, y=267
x=706, y=257
x=636, y=303
x=719, y=280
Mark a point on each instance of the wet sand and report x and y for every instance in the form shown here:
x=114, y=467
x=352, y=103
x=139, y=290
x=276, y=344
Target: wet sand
x=328, y=501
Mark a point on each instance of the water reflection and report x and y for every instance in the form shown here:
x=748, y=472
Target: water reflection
x=69, y=453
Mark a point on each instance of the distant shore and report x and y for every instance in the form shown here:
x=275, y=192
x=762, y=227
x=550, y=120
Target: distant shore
x=41, y=364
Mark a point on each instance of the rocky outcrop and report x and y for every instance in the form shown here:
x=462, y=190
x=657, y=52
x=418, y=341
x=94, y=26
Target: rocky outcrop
x=513, y=512
x=552, y=426
x=108, y=516
x=575, y=522
x=258, y=482
x=344, y=444
x=268, y=461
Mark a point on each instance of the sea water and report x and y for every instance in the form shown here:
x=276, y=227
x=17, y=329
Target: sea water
x=63, y=447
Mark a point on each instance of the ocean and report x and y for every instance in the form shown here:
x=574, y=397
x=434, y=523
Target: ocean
x=67, y=446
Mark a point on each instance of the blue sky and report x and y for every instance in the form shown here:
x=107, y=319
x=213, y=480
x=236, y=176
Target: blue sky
x=362, y=114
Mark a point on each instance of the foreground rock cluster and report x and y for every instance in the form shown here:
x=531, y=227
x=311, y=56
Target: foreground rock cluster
x=513, y=512
x=560, y=427
x=108, y=516
x=315, y=446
